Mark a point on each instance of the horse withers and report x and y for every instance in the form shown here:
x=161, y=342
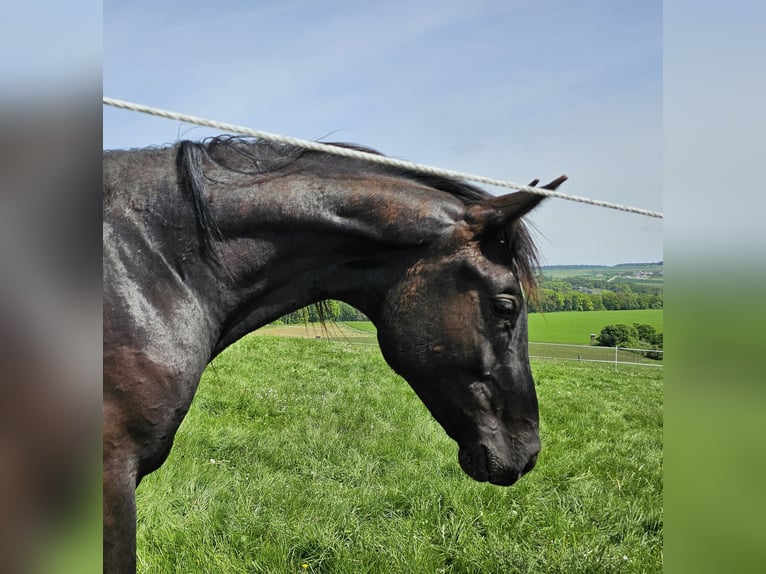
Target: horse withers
x=206, y=242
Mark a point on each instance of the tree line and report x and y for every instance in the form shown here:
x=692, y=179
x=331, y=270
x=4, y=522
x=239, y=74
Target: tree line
x=329, y=310
x=580, y=294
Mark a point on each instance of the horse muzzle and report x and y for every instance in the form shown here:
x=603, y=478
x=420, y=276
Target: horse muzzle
x=488, y=464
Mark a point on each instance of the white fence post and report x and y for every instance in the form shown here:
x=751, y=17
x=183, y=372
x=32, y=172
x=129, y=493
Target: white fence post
x=616, y=349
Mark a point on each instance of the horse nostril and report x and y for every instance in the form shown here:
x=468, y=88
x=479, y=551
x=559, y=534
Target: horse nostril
x=530, y=464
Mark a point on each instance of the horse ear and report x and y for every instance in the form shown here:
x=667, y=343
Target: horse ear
x=497, y=211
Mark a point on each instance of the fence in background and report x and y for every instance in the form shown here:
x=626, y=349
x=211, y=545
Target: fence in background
x=346, y=333
x=593, y=354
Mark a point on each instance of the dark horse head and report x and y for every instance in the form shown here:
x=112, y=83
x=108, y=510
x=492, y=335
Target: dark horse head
x=455, y=326
x=448, y=266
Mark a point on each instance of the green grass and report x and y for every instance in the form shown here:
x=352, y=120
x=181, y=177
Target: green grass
x=575, y=327
x=365, y=326
x=571, y=327
x=301, y=452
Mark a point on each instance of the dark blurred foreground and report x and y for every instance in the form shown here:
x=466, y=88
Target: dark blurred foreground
x=715, y=273
x=50, y=287
x=50, y=333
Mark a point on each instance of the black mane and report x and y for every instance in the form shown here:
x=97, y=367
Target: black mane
x=264, y=160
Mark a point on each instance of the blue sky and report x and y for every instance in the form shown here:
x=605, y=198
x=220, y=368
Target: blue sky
x=510, y=90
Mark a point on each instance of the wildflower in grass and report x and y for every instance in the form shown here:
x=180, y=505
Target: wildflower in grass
x=305, y=566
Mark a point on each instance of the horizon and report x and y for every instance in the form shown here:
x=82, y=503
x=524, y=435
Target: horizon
x=627, y=264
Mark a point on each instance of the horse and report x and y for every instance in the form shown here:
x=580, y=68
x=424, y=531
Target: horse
x=204, y=242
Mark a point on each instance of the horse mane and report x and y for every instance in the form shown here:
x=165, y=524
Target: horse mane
x=191, y=179
x=263, y=160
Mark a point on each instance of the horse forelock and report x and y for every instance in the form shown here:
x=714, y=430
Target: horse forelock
x=525, y=259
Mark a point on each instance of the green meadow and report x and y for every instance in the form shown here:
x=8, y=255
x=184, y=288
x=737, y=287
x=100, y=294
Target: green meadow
x=304, y=455
x=570, y=327
x=575, y=327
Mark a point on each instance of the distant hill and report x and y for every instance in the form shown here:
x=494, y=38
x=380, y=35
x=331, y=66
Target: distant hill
x=647, y=271
x=590, y=266
x=657, y=264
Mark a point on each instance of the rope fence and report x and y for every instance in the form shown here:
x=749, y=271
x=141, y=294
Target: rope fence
x=351, y=153
x=346, y=333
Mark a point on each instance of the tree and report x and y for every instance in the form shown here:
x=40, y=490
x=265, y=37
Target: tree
x=597, y=303
x=349, y=313
x=636, y=336
x=646, y=333
x=581, y=302
x=328, y=310
x=657, y=344
x=626, y=299
x=619, y=335
x=549, y=301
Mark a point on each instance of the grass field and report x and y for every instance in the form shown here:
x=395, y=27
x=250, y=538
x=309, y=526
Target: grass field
x=575, y=328
x=563, y=271
x=313, y=456
x=568, y=327
x=654, y=281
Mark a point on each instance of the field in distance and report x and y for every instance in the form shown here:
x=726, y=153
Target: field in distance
x=639, y=272
x=571, y=327
x=575, y=327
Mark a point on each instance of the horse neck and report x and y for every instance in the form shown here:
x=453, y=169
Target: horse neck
x=296, y=240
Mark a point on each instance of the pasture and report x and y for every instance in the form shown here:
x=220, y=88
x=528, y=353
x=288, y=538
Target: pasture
x=301, y=455
x=614, y=272
x=569, y=327
x=575, y=327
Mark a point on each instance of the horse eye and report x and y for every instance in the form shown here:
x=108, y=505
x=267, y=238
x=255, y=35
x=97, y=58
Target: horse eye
x=504, y=306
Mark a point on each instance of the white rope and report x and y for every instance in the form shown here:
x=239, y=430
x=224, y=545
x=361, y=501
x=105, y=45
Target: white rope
x=346, y=152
